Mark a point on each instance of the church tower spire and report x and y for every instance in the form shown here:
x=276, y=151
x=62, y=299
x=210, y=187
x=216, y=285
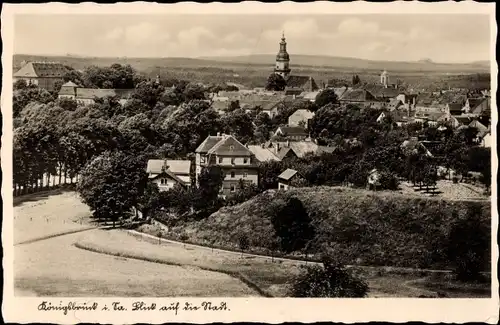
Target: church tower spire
x=282, y=66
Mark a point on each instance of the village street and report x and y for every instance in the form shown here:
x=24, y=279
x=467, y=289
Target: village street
x=55, y=267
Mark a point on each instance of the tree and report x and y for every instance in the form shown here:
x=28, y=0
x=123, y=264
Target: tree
x=331, y=280
x=239, y=123
x=20, y=84
x=292, y=225
x=275, y=82
x=355, y=80
x=325, y=97
x=209, y=186
x=243, y=243
x=263, y=127
x=468, y=243
x=112, y=184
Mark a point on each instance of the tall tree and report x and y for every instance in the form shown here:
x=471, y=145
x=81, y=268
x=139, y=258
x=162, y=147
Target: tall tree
x=275, y=82
x=112, y=184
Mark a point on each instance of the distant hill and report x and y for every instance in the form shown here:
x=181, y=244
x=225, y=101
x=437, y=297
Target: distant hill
x=360, y=64
x=260, y=61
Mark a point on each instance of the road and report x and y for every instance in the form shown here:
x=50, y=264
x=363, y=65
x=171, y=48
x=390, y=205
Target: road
x=55, y=267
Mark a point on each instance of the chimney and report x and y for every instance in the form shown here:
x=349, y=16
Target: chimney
x=287, y=143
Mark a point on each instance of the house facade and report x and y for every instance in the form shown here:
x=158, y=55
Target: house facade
x=293, y=133
x=234, y=158
x=167, y=173
x=43, y=74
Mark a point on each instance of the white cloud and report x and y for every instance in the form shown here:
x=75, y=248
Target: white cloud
x=355, y=26
x=141, y=33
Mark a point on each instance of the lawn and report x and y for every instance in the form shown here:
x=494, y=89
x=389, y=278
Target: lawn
x=45, y=214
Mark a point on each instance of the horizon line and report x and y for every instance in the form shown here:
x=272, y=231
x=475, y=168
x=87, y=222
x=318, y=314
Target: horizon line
x=209, y=57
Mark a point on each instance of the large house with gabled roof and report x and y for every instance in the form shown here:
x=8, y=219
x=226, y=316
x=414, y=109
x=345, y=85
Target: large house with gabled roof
x=43, y=74
x=234, y=158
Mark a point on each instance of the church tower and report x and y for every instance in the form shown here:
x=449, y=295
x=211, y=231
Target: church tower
x=384, y=79
x=282, y=66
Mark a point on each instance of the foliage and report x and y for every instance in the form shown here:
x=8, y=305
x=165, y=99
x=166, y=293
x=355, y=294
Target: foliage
x=275, y=82
x=325, y=97
x=292, y=225
x=468, y=244
x=20, y=84
x=209, y=186
x=244, y=192
x=331, y=280
x=112, y=184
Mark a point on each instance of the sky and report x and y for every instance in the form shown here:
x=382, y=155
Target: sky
x=447, y=38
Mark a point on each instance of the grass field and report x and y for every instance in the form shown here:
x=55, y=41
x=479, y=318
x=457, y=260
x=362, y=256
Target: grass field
x=55, y=267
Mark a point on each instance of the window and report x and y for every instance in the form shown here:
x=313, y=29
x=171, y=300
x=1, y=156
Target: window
x=163, y=181
x=221, y=160
x=231, y=148
x=245, y=174
x=203, y=159
x=245, y=160
x=232, y=174
x=232, y=161
x=233, y=188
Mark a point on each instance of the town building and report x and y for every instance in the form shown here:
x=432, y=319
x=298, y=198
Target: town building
x=87, y=96
x=45, y=75
x=282, y=150
x=290, y=178
x=300, y=117
x=234, y=158
x=294, y=133
x=167, y=173
x=384, y=79
x=294, y=84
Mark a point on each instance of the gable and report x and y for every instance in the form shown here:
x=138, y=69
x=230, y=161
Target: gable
x=229, y=146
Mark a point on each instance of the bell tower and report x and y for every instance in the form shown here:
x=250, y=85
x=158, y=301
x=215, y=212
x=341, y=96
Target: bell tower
x=282, y=66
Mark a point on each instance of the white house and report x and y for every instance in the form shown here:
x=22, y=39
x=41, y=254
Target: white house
x=167, y=173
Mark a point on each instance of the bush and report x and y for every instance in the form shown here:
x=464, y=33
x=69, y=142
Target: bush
x=389, y=181
x=468, y=244
x=292, y=225
x=455, y=179
x=331, y=280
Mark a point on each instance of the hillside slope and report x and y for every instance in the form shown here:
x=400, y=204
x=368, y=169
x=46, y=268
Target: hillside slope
x=367, y=228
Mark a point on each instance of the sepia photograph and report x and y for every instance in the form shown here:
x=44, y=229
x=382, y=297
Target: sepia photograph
x=249, y=155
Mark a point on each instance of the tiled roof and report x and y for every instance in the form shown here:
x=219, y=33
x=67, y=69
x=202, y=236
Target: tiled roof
x=287, y=174
x=208, y=144
x=301, y=82
x=69, y=84
x=42, y=69
x=340, y=91
x=400, y=116
x=262, y=154
x=381, y=91
x=225, y=145
x=171, y=175
x=357, y=95
x=478, y=125
x=176, y=166
x=463, y=120
x=304, y=114
x=455, y=108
